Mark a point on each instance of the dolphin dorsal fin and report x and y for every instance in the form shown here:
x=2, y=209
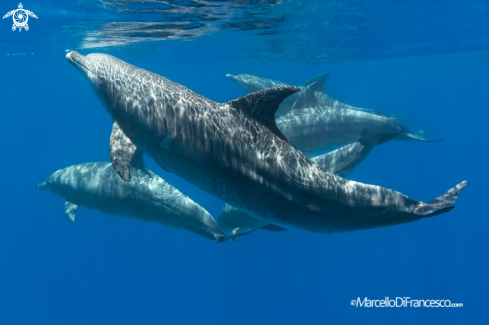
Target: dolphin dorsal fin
x=310, y=88
x=262, y=105
x=316, y=84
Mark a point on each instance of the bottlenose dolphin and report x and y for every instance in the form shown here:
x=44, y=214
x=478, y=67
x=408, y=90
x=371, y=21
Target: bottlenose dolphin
x=313, y=121
x=339, y=162
x=235, y=152
x=147, y=197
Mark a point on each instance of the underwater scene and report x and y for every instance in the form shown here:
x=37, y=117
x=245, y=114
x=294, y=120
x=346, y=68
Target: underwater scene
x=244, y=162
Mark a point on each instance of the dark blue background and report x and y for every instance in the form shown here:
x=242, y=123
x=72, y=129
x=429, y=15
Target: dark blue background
x=109, y=270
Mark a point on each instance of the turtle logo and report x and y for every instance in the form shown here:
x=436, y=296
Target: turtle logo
x=20, y=17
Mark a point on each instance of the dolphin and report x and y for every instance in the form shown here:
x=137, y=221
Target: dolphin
x=313, y=121
x=340, y=162
x=147, y=197
x=235, y=152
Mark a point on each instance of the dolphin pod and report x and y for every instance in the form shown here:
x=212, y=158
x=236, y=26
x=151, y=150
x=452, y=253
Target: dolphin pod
x=147, y=197
x=236, y=152
x=313, y=121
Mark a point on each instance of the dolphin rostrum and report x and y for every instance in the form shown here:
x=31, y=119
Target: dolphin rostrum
x=313, y=121
x=235, y=152
x=147, y=197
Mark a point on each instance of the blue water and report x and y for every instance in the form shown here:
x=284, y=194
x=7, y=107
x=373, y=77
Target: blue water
x=425, y=59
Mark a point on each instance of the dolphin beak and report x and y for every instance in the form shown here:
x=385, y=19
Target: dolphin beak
x=78, y=60
x=234, y=78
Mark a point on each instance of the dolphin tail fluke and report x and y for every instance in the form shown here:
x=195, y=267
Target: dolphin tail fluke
x=368, y=139
x=442, y=203
x=418, y=136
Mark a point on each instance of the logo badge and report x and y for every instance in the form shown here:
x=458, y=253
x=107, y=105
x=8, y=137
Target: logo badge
x=20, y=17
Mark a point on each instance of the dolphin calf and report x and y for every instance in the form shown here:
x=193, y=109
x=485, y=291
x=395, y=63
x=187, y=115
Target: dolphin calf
x=235, y=152
x=148, y=197
x=313, y=121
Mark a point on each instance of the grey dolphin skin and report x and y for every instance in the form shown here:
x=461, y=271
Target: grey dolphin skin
x=314, y=121
x=147, y=197
x=235, y=152
x=340, y=162
x=343, y=160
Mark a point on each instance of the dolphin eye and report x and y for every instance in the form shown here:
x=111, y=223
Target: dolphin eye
x=101, y=79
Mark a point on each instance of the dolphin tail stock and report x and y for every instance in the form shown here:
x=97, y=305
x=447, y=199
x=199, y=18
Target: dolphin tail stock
x=441, y=204
x=371, y=140
x=419, y=136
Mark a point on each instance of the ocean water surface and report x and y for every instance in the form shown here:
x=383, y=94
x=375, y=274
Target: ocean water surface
x=427, y=60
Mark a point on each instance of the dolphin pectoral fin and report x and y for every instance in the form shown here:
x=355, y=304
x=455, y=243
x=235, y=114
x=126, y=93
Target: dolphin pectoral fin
x=262, y=106
x=121, y=152
x=70, y=210
x=442, y=203
x=272, y=227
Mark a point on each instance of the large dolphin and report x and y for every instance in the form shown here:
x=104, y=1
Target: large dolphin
x=313, y=121
x=339, y=162
x=235, y=152
x=147, y=197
